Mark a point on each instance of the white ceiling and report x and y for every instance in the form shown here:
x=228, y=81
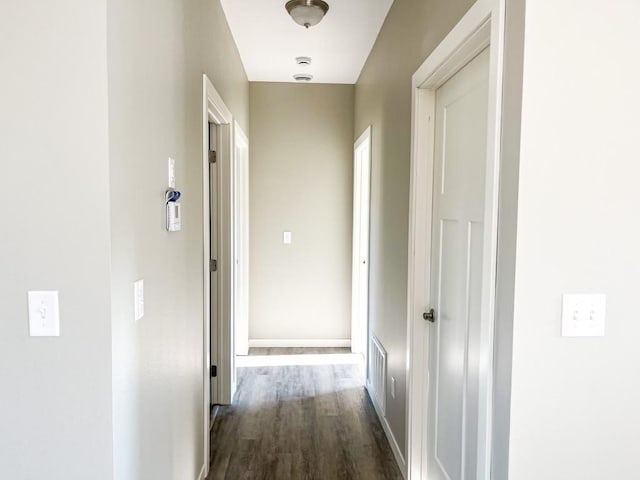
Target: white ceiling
x=269, y=40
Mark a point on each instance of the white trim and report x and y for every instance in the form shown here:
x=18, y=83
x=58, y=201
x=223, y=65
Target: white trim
x=201, y=475
x=468, y=38
x=301, y=343
x=481, y=27
x=215, y=105
x=300, y=359
x=395, y=448
x=240, y=175
x=364, y=137
x=215, y=110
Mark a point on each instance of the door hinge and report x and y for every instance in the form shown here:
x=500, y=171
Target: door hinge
x=213, y=265
x=214, y=371
x=213, y=156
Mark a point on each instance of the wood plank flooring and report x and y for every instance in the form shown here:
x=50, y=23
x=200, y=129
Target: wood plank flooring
x=300, y=423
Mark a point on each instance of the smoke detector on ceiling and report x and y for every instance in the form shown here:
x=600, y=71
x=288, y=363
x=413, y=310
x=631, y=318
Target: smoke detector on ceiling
x=303, y=77
x=303, y=60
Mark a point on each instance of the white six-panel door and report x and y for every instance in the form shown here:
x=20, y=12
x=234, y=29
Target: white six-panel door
x=456, y=272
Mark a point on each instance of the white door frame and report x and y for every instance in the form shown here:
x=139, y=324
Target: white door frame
x=360, y=332
x=241, y=240
x=215, y=111
x=481, y=27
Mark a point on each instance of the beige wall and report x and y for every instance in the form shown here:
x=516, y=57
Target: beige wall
x=413, y=28
x=575, y=400
x=157, y=54
x=55, y=393
x=95, y=96
x=301, y=175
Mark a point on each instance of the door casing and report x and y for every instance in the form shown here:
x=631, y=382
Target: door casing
x=240, y=175
x=481, y=27
x=215, y=111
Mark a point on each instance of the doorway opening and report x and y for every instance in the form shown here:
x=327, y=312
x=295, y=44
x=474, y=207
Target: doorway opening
x=456, y=273
x=361, y=226
x=452, y=249
x=214, y=202
x=218, y=347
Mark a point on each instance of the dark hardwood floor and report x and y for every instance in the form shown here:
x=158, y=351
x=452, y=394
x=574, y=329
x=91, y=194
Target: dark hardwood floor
x=298, y=423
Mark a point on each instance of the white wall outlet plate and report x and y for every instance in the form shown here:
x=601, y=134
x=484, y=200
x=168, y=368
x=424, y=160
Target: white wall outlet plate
x=138, y=299
x=583, y=315
x=286, y=238
x=44, y=315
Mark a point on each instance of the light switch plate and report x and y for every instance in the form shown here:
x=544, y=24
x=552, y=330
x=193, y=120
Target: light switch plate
x=44, y=314
x=583, y=315
x=138, y=299
x=172, y=173
x=286, y=238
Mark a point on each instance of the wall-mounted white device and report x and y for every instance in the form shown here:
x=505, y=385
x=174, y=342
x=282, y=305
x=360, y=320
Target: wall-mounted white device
x=44, y=316
x=138, y=300
x=174, y=212
x=173, y=217
x=583, y=315
x=172, y=173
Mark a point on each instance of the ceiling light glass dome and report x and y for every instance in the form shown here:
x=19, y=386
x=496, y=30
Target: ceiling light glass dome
x=307, y=12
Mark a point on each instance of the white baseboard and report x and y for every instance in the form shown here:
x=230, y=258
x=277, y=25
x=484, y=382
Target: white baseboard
x=299, y=360
x=201, y=476
x=214, y=414
x=395, y=448
x=271, y=343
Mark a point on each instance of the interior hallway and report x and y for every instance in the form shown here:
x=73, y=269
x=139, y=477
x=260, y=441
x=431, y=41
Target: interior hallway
x=300, y=422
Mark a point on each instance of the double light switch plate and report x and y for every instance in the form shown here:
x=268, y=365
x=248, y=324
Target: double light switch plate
x=583, y=315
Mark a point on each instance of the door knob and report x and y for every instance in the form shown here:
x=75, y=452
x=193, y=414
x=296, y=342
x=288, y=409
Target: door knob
x=430, y=315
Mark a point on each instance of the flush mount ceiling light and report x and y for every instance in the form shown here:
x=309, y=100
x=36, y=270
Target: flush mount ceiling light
x=307, y=12
x=303, y=60
x=303, y=77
